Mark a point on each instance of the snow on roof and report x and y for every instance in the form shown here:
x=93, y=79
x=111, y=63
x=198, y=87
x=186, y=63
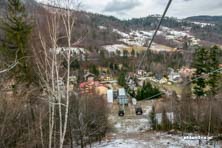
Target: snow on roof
x=102, y=27
x=115, y=47
x=76, y=50
x=203, y=24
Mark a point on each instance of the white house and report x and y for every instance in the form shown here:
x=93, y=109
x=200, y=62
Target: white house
x=174, y=76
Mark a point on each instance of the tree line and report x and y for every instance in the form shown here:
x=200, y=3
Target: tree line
x=198, y=109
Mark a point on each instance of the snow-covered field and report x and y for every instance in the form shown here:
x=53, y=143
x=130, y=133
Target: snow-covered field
x=141, y=37
x=153, y=140
x=114, y=48
x=158, y=48
x=125, y=35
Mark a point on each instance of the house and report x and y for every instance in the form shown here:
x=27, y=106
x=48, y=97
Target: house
x=158, y=77
x=105, y=77
x=141, y=80
x=91, y=87
x=120, y=66
x=101, y=90
x=89, y=76
x=186, y=72
x=174, y=76
x=163, y=80
x=103, y=69
x=73, y=79
x=131, y=83
x=88, y=87
x=141, y=73
x=75, y=51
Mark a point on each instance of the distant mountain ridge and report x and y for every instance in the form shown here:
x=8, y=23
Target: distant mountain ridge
x=205, y=19
x=96, y=37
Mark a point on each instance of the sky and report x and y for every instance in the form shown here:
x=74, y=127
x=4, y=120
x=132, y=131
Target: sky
x=127, y=9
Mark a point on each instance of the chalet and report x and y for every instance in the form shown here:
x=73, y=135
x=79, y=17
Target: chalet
x=88, y=87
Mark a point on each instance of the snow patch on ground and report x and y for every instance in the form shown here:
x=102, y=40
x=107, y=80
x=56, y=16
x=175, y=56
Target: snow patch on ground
x=147, y=110
x=159, y=48
x=132, y=131
x=102, y=27
x=132, y=125
x=154, y=140
x=123, y=34
x=203, y=24
x=121, y=143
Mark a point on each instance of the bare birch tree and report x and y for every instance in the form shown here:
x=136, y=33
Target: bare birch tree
x=49, y=65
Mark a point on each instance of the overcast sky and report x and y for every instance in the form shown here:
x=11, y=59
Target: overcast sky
x=126, y=9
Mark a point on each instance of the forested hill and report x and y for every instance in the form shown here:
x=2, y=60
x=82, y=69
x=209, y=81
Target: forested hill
x=206, y=19
x=206, y=28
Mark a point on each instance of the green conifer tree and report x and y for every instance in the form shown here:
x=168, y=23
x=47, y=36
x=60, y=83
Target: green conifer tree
x=213, y=80
x=17, y=29
x=200, y=63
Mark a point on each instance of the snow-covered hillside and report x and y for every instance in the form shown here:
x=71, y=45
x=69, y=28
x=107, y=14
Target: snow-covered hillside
x=140, y=38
